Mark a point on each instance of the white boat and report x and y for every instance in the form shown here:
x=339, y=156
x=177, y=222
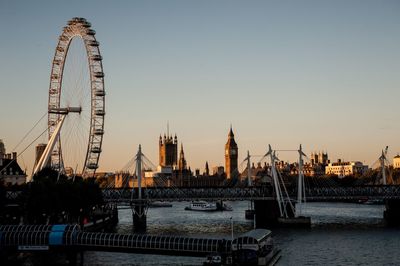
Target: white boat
x=202, y=206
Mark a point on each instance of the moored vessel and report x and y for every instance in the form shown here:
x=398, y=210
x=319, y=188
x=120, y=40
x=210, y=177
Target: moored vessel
x=202, y=206
x=255, y=247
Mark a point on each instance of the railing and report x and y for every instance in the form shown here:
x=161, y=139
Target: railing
x=252, y=193
x=187, y=194
x=243, y=193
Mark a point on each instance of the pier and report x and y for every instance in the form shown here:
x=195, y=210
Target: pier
x=70, y=237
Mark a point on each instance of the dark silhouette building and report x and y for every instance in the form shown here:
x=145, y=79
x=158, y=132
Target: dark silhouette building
x=168, y=151
x=182, y=161
x=10, y=171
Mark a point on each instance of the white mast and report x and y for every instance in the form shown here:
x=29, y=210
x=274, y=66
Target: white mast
x=139, y=171
x=382, y=160
x=275, y=179
x=300, y=183
x=248, y=169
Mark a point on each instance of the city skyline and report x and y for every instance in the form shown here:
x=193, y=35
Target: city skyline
x=320, y=74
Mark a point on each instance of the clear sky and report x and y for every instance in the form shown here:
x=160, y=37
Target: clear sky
x=322, y=73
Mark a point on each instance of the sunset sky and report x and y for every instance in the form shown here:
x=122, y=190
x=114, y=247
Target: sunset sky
x=325, y=74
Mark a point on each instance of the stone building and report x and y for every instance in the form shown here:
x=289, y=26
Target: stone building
x=396, y=162
x=342, y=169
x=10, y=171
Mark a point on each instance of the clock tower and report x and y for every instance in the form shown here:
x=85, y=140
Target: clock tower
x=231, y=155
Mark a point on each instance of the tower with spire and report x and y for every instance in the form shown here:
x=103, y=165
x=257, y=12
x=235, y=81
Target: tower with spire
x=182, y=161
x=231, y=155
x=207, y=170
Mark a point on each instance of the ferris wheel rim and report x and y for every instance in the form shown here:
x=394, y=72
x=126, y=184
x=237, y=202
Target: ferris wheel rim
x=79, y=28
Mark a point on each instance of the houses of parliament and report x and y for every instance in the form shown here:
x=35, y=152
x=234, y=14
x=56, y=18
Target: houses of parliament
x=174, y=170
x=180, y=172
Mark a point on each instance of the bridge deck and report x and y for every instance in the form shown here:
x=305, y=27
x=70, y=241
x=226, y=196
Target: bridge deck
x=251, y=193
x=244, y=193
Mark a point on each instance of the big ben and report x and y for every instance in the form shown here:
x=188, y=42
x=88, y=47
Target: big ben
x=231, y=155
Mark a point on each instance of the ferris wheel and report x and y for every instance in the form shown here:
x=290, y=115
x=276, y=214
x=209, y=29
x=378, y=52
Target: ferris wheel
x=76, y=91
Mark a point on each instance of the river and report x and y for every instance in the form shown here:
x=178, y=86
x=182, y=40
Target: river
x=341, y=234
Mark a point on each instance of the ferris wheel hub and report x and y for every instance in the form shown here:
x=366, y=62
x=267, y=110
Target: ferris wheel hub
x=65, y=111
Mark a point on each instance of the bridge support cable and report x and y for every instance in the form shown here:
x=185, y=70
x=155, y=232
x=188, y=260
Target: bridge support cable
x=286, y=200
x=301, y=196
x=283, y=201
x=383, y=160
x=249, y=183
x=130, y=170
x=278, y=191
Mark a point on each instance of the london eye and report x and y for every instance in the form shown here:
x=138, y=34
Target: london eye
x=77, y=91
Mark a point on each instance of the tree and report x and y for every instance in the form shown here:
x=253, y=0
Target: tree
x=51, y=197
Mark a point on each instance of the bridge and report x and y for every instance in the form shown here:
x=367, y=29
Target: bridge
x=125, y=195
x=380, y=192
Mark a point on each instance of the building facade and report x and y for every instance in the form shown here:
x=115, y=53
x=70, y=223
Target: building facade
x=319, y=158
x=342, y=169
x=231, y=156
x=10, y=171
x=168, y=151
x=396, y=162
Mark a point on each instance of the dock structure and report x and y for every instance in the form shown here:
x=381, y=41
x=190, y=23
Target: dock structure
x=70, y=237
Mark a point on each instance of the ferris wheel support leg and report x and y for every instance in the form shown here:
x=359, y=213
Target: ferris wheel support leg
x=44, y=159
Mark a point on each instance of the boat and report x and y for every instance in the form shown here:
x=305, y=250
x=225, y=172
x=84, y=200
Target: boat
x=159, y=204
x=202, y=206
x=249, y=214
x=255, y=247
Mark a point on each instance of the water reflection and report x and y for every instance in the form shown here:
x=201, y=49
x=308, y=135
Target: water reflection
x=341, y=234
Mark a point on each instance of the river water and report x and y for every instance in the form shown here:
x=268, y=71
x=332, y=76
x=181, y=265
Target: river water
x=341, y=234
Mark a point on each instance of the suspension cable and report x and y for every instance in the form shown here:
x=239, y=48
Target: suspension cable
x=19, y=143
x=22, y=152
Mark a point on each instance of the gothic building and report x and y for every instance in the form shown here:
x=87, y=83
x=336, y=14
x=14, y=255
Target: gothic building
x=168, y=151
x=319, y=158
x=231, y=155
x=182, y=161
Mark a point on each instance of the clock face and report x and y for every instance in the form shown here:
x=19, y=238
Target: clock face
x=230, y=152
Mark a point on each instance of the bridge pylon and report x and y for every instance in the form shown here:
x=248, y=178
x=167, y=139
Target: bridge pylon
x=139, y=206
